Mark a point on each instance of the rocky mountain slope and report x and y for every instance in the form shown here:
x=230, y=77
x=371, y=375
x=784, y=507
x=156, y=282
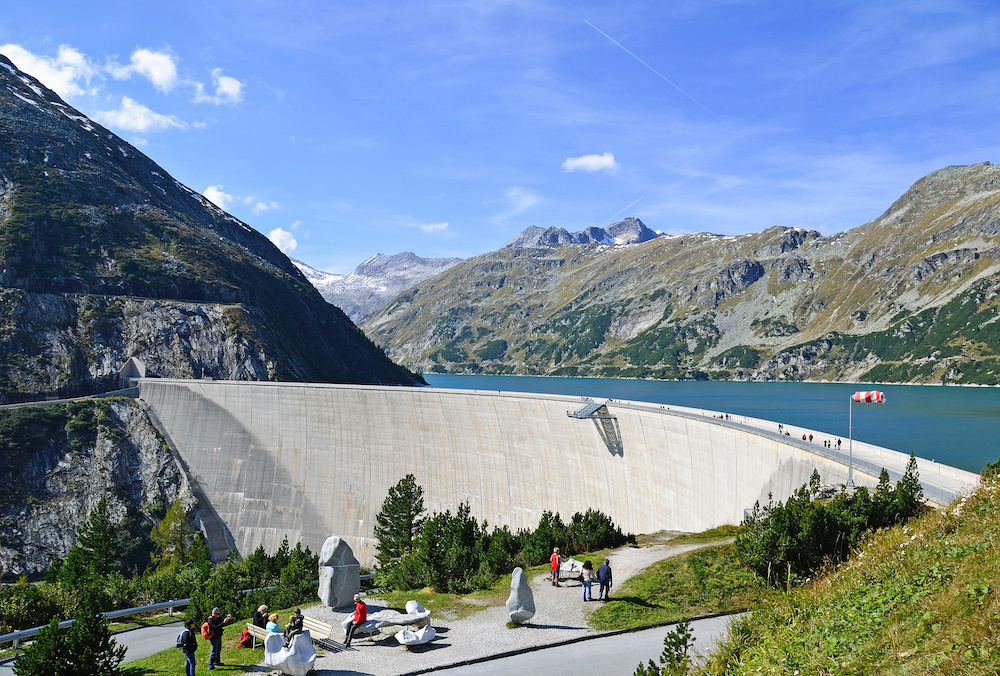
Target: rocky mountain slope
x=629, y=231
x=375, y=282
x=58, y=460
x=104, y=256
x=909, y=297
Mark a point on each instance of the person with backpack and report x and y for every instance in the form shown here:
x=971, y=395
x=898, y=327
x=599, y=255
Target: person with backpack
x=212, y=630
x=187, y=643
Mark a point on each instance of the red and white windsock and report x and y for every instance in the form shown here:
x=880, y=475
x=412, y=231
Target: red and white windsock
x=873, y=397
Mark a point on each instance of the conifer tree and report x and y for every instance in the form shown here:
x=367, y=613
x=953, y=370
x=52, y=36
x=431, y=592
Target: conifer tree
x=909, y=492
x=399, y=522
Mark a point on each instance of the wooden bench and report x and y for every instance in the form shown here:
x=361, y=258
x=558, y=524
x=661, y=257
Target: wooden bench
x=258, y=633
x=320, y=632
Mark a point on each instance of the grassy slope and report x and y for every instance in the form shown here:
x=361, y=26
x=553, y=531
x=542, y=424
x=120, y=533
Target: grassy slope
x=916, y=600
x=700, y=582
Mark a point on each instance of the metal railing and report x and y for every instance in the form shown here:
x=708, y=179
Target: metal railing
x=16, y=637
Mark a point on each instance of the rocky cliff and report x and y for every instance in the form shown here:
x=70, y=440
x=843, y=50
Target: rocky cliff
x=104, y=256
x=909, y=297
x=58, y=460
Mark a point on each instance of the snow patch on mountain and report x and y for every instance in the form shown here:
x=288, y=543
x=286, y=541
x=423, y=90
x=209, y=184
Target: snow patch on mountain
x=375, y=282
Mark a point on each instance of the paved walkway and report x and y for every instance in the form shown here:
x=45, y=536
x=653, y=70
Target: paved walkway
x=604, y=656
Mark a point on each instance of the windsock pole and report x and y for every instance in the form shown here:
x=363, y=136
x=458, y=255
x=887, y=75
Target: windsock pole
x=850, y=442
x=872, y=396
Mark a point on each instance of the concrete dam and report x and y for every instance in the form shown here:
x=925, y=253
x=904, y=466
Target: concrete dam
x=306, y=461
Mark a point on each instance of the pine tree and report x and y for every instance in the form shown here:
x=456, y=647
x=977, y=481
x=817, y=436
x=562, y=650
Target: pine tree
x=89, y=644
x=46, y=656
x=174, y=535
x=85, y=649
x=95, y=553
x=399, y=522
x=909, y=492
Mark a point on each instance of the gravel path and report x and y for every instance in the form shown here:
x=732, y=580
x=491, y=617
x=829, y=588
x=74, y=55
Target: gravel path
x=560, y=614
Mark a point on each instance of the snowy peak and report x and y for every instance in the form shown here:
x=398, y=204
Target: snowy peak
x=629, y=231
x=375, y=282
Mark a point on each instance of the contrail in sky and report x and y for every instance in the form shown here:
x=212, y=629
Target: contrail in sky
x=658, y=74
x=628, y=207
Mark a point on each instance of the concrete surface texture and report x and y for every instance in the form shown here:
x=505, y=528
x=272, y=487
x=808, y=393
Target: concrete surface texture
x=306, y=461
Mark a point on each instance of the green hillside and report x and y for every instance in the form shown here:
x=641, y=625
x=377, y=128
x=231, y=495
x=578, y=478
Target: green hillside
x=915, y=599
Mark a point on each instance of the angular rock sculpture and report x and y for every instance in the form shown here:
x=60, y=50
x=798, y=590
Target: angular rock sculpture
x=339, y=573
x=298, y=659
x=419, y=637
x=521, y=603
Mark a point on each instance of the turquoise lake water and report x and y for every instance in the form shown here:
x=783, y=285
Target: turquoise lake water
x=959, y=426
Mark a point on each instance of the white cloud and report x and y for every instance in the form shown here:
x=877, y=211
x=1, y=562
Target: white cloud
x=605, y=162
x=519, y=200
x=227, y=90
x=68, y=74
x=434, y=227
x=157, y=67
x=295, y=225
x=133, y=116
x=261, y=207
x=282, y=239
x=214, y=194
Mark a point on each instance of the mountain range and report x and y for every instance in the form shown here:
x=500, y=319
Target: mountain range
x=911, y=296
x=628, y=231
x=375, y=282
x=104, y=256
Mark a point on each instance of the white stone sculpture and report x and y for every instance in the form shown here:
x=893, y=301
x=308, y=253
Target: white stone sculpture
x=571, y=569
x=521, y=603
x=416, y=616
x=419, y=637
x=298, y=659
x=339, y=573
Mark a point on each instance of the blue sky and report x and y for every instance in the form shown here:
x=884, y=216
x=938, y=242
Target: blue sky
x=445, y=128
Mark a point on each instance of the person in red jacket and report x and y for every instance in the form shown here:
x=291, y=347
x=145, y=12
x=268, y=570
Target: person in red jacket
x=360, y=617
x=555, y=560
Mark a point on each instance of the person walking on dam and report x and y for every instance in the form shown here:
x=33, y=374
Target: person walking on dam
x=604, y=575
x=555, y=560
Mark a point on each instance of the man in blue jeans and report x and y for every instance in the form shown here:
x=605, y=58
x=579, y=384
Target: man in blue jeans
x=604, y=575
x=215, y=625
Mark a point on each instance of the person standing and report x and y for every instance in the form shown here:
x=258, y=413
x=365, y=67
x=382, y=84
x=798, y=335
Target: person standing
x=554, y=560
x=189, y=646
x=215, y=625
x=604, y=575
x=586, y=576
x=360, y=617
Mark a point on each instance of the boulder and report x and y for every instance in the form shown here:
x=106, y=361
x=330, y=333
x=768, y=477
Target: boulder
x=339, y=573
x=521, y=603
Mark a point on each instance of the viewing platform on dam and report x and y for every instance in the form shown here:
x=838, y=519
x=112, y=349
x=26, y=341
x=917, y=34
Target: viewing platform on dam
x=306, y=461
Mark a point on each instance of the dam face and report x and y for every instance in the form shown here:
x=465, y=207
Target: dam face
x=306, y=461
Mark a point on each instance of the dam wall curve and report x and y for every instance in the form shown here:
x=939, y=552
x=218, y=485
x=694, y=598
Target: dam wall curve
x=306, y=461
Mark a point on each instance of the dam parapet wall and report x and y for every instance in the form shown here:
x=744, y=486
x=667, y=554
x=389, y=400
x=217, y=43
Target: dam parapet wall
x=305, y=461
